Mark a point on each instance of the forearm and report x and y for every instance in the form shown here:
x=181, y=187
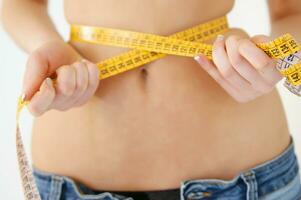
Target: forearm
x=28, y=23
x=289, y=24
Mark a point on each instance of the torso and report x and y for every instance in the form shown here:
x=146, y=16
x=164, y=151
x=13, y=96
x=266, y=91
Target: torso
x=160, y=124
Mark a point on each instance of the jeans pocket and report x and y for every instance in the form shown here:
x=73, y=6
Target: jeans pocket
x=55, y=187
x=78, y=193
x=291, y=191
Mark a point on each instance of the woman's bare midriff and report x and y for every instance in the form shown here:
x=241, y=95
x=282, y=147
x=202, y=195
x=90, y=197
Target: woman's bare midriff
x=153, y=127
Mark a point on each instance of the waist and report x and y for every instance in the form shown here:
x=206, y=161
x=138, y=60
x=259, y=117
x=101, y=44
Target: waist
x=138, y=120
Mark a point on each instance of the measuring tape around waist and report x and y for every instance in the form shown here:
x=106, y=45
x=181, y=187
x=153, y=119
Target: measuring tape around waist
x=138, y=57
x=149, y=47
x=186, y=43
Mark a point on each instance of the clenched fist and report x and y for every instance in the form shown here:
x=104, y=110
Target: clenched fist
x=76, y=78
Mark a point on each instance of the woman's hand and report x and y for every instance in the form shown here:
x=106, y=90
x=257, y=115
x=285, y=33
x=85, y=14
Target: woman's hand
x=76, y=79
x=241, y=68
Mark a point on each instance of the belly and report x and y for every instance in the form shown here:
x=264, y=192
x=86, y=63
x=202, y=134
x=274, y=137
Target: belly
x=166, y=116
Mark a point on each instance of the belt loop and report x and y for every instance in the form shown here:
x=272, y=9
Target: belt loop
x=250, y=179
x=182, y=190
x=56, y=187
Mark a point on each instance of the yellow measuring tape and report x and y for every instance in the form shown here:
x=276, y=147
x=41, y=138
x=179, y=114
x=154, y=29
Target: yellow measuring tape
x=149, y=47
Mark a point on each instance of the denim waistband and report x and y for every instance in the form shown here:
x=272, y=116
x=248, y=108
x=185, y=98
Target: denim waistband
x=252, y=184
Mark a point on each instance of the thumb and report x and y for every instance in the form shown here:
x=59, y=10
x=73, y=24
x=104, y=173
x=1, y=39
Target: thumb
x=35, y=73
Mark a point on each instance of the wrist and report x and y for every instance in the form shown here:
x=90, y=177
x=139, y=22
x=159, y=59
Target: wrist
x=59, y=50
x=55, y=53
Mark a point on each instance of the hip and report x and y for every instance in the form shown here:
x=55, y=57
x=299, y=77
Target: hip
x=116, y=157
x=277, y=178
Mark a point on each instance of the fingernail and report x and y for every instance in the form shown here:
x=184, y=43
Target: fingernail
x=200, y=59
x=48, y=82
x=84, y=60
x=220, y=38
x=197, y=57
x=24, y=91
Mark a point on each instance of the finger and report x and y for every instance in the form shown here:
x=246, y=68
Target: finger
x=259, y=59
x=254, y=55
x=93, y=83
x=82, y=82
x=42, y=100
x=217, y=76
x=260, y=39
x=65, y=86
x=35, y=73
x=221, y=60
x=243, y=67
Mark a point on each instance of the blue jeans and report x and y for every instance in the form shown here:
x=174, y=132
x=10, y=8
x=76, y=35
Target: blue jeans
x=277, y=179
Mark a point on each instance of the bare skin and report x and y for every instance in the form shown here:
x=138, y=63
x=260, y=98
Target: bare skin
x=153, y=127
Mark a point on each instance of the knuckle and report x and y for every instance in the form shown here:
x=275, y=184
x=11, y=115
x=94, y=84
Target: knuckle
x=263, y=88
x=243, y=43
x=67, y=88
x=237, y=60
x=218, y=45
x=78, y=64
x=265, y=62
x=217, y=54
x=66, y=83
x=93, y=69
x=83, y=66
x=63, y=69
x=93, y=83
x=33, y=58
x=227, y=73
x=82, y=77
x=231, y=39
x=213, y=74
x=80, y=88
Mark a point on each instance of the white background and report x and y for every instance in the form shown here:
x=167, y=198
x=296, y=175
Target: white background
x=252, y=15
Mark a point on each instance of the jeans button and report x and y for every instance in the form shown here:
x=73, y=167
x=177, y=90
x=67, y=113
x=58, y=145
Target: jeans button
x=247, y=174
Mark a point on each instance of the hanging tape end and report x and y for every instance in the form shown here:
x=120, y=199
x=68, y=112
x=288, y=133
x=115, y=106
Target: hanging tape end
x=22, y=97
x=20, y=105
